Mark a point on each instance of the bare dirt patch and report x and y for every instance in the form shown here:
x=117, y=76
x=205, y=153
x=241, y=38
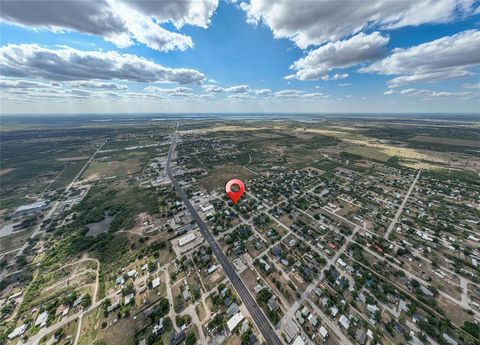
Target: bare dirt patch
x=72, y=159
x=446, y=141
x=6, y=171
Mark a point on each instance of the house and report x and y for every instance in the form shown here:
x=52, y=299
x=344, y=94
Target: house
x=449, y=339
x=361, y=336
x=131, y=273
x=334, y=311
x=344, y=321
x=77, y=301
x=128, y=299
x=61, y=308
x=212, y=269
x=155, y=282
x=113, y=307
x=177, y=338
x=323, y=332
x=232, y=310
x=313, y=320
x=298, y=316
x=158, y=328
x=41, y=319
x=402, y=306
x=186, y=294
x=234, y=321
x=272, y=304
x=298, y=341
x=120, y=281
x=19, y=331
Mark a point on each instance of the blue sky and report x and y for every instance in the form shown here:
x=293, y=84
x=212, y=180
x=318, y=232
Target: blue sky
x=258, y=56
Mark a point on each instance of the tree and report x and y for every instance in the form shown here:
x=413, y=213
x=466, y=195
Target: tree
x=86, y=301
x=190, y=339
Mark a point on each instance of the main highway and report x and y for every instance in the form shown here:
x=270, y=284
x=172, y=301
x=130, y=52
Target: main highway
x=257, y=314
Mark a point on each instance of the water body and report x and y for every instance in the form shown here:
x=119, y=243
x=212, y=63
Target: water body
x=95, y=229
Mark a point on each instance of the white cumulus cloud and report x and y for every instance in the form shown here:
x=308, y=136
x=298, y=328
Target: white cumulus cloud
x=445, y=58
x=340, y=54
x=315, y=22
x=122, y=22
x=68, y=64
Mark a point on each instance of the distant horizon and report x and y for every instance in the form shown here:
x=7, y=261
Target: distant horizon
x=242, y=115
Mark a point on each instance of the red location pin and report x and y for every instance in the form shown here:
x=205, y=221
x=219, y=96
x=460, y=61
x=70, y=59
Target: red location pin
x=235, y=196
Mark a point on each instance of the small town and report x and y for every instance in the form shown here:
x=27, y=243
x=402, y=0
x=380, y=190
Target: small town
x=343, y=250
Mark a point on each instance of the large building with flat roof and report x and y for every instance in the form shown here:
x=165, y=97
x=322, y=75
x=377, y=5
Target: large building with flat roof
x=30, y=208
x=186, y=239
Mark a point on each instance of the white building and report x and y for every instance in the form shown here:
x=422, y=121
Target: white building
x=234, y=321
x=18, y=331
x=155, y=283
x=344, y=321
x=186, y=239
x=298, y=341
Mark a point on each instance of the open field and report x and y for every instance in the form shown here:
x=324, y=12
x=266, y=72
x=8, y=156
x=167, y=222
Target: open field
x=446, y=141
x=220, y=175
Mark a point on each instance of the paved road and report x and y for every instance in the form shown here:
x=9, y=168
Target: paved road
x=260, y=319
x=400, y=209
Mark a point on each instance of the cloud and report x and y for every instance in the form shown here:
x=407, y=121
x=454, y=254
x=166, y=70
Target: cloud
x=241, y=97
x=315, y=22
x=68, y=64
x=263, y=92
x=445, y=58
x=288, y=93
x=315, y=95
x=340, y=54
x=120, y=22
x=427, y=93
x=336, y=76
x=212, y=89
x=238, y=89
x=91, y=17
x=180, y=13
x=344, y=84
x=178, y=91
x=92, y=84
x=23, y=84
x=471, y=85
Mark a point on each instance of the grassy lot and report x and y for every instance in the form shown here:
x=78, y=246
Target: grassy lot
x=218, y=177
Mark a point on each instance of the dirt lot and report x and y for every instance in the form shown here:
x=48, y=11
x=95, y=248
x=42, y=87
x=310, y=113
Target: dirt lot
x=6, y=171
x=113, y=168
x=72, y=159
x=446, y=141
x=249, y=277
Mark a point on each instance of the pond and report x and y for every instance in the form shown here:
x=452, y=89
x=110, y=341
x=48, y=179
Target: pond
x=95, y=229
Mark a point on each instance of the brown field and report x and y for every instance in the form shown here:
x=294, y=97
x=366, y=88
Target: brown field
x=446, y=141
x=72, y=159
x=6, y=171
x=453, y=312
x=113, y=168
